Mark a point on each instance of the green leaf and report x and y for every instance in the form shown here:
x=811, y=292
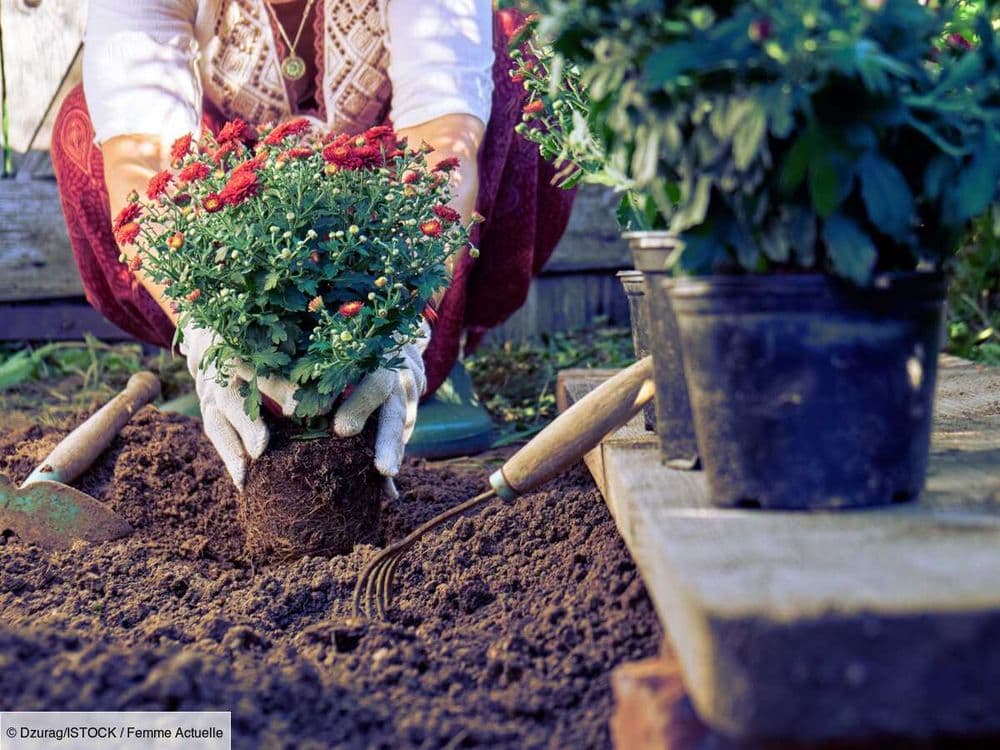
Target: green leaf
x=975, y=188
x=887, y=197
x=793, y=170
x=17, y=369
x=669, y=61
x=823, y=186
x=849, y=249
x=749, y=135
x=692, y=212
x=935, y=176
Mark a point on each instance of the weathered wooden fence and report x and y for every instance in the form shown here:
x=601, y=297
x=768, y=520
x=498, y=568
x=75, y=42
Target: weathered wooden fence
x=40, y=292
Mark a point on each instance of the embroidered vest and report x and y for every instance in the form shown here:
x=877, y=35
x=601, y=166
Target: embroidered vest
x=240, y=64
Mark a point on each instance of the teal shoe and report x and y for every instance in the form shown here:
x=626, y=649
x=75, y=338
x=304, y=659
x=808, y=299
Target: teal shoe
x=450, y=423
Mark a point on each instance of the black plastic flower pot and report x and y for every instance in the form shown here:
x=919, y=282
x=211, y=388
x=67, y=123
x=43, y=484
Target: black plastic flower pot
x=674, y=425
x=809, y=392
x=634, y=290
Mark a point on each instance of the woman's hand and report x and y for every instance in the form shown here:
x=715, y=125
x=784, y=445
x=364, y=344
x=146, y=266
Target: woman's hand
x=459, y=136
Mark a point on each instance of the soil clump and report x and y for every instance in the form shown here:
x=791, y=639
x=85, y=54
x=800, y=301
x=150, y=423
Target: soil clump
x=319, y=496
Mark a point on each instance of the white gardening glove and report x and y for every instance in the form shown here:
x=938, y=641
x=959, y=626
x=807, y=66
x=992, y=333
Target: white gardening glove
x=397, y=392
x=235, y=436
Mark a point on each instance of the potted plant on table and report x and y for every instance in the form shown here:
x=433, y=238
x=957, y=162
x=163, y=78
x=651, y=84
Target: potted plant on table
x=312, y=259
x=818, y=163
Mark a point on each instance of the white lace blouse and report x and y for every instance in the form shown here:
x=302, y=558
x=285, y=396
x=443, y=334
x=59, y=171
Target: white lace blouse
x=148, y=63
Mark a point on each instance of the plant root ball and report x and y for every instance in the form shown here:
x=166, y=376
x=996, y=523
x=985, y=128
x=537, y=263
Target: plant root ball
x=311, y=497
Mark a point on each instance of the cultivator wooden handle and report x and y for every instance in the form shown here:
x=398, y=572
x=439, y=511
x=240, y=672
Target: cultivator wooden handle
x=576, y=431
x=78, y=450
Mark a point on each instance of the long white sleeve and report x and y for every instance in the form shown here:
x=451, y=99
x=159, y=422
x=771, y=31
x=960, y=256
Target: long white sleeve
x=140, y=71
x=440, y=59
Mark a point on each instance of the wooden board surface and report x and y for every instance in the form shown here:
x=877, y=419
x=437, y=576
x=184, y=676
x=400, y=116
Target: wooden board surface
x=812, y=625
x=40, y=41
x=35, y=259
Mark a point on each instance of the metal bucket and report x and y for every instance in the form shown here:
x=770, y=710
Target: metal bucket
x=634, y=287
x=674, y=425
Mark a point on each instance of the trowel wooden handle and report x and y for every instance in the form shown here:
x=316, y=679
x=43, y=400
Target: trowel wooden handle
x=577, y=430
x=77, y=451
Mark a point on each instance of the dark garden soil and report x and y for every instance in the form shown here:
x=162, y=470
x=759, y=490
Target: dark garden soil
x=503, y=635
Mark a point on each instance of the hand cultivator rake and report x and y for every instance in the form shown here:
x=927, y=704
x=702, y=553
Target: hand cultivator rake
x=564, y=442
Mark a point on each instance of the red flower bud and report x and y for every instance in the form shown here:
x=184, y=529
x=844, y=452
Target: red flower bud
x=315, y=304
x=350, y=309
x=175, y=241
x=446, y=165
x=135, y=263
x=760, y=30
x=534, y=107
x=193, y=296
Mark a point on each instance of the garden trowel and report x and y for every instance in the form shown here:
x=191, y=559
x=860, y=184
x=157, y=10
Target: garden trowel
x=49, y=512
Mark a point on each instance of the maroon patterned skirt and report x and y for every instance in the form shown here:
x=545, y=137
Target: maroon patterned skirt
x=525, y=216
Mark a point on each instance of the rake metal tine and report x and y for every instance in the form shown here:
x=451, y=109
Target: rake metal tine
x=374, y=585
x=390, y=571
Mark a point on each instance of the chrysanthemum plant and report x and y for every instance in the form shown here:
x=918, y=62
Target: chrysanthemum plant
x=313, y=259
x=841, y=136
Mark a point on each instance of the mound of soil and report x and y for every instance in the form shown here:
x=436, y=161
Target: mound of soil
x=311, y=497
x=503, y=633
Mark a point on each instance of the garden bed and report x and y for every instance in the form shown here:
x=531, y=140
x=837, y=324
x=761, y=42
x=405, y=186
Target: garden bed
x=504, y=632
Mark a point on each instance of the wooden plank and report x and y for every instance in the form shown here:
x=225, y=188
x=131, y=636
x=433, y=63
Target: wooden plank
x=562, y=301
x=55, y=321
x=40, y=41
x=592, y=241
x=37, y=161
x=35, y=258
x=811, y=626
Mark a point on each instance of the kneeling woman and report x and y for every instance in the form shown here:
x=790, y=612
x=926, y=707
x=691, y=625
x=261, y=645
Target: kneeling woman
x=437, y=69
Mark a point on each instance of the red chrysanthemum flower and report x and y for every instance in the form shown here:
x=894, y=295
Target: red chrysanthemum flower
x=212, y=203
x=158, y=184
x=135, y=263
x=193, y=172
x=239, y=188
x=350, y=309
x=410, y=176
x=431, y=227
x=315, y=304
x=341, y=155
x=298, y=152
x=285, y=130
x=534, y=107
x=176, y=241
x=131, y=212
x=236, y=131
x=225, y=150
x=370, y=156
x=180, y=148
x=446, y=165
x=447, y=213
x=250, y=166
x=182, y=199
x=193, y=295
x=127, y=234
